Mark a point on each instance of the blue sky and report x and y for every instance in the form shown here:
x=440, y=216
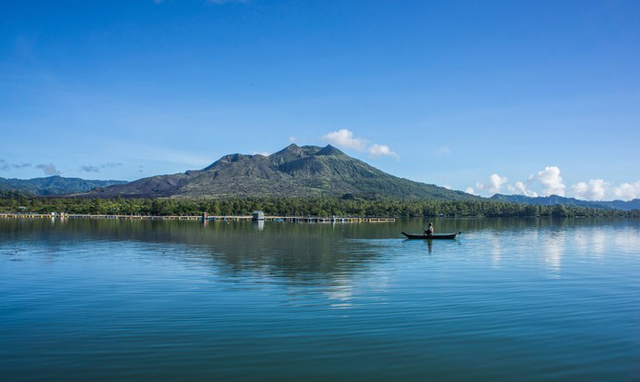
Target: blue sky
x=464, y=94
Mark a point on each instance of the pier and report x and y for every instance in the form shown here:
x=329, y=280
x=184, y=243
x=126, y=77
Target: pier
x=288, y=219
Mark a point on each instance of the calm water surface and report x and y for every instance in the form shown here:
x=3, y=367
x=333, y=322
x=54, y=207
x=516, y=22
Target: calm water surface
x=511, y=300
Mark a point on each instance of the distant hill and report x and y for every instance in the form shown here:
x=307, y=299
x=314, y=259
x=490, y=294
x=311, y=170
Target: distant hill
x=555, y=199
x=53, y=185
x=293, y=171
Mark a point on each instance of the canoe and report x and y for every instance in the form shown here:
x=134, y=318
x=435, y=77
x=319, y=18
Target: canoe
x=432, y=237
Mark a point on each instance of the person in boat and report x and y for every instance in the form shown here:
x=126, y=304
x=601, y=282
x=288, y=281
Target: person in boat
x=429, y=231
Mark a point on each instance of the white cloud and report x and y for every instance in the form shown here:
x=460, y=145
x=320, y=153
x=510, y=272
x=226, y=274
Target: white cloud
x=470, y=190
x=495, y=184
x=263, y=153
x=48, y=169
x=444, y=150
x=627, y=191
x=344, y=138
x=377, y=150
x=595, y=189
x=522, y=189
x=292, y=139
x=551, y=181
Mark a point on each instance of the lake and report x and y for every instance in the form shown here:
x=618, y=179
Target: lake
x=510, y=300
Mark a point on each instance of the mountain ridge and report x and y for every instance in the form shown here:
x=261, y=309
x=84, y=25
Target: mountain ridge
x=53, y=185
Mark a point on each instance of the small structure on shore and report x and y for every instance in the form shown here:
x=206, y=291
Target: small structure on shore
x=257, y=216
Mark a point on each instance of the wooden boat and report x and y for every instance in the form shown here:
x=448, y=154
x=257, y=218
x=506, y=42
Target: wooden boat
x=432, y=237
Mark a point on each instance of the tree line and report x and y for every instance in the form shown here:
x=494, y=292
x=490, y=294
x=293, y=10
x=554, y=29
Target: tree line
x=320, y=206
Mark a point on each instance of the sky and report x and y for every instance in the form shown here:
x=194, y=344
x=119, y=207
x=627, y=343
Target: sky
x=515, y=97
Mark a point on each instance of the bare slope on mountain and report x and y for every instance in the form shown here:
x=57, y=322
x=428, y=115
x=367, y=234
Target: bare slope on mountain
x=294, y=171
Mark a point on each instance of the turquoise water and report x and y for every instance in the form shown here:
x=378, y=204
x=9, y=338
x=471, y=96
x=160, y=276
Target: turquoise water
x=511, y=300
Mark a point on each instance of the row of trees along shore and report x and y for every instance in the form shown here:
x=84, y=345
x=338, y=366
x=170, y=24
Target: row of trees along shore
x=322, y=207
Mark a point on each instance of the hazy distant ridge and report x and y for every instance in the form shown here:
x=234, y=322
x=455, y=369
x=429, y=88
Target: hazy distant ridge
x=555, y=199
x=53, y=185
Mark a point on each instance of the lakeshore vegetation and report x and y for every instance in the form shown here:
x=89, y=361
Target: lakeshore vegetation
x=347, y=205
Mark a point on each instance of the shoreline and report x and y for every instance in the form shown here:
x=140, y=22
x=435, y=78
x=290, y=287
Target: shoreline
x=289, y=219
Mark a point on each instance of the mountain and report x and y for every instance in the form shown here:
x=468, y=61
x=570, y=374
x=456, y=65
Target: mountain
x=555, y=199
x=53, y=185
x=294, y=171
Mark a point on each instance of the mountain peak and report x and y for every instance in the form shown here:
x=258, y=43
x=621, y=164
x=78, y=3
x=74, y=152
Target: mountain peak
x=226, y=159
x=293, y=152
x=329, y=150
x=288, y=153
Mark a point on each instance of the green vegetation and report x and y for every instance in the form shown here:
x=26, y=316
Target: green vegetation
x=321, y=206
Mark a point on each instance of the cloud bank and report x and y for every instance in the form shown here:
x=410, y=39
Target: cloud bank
x=627, y=191
x=549, y=182
x=594, y=189
x=47, y=169
x=99, y=168
x=5, y=166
